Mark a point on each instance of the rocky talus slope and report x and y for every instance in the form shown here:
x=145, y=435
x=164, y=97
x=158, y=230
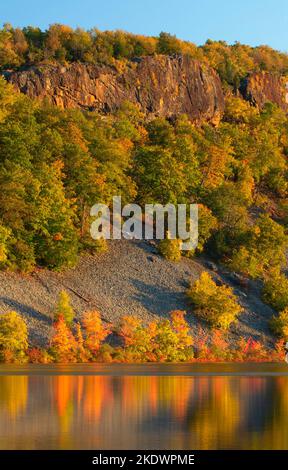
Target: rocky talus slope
x=130, y=279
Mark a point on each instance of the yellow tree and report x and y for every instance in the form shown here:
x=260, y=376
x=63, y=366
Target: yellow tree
x=215, y=304
x=13, y=337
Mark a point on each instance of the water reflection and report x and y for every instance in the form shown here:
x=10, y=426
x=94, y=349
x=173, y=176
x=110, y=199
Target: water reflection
x=74, y=412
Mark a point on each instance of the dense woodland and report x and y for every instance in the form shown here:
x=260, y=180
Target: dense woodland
x=56, y=163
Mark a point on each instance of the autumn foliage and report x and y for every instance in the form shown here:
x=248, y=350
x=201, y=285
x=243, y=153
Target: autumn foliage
x=217, y=305
x=164, y=340
x=279, y=324
x=64, y=44
x=64, y=309
x=170, y=249
x=63, y=343
x=13, y=337
x=56, y=163
x=95, y=332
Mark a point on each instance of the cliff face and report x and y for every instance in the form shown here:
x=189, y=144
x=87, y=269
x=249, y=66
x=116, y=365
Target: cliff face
x=260, y=87
x=161, y=86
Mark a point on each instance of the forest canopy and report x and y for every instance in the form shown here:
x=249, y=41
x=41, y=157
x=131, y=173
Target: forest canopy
x=62, y=44
x=55, y=164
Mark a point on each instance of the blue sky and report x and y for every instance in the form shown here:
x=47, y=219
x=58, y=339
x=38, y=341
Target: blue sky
x=251, y=22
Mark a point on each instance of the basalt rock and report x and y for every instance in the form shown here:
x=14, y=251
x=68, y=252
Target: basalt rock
x=161, y=86
x=262, y=87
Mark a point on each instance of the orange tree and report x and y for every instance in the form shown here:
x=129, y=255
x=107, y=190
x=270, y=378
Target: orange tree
x=63, y=346
x=95, y=332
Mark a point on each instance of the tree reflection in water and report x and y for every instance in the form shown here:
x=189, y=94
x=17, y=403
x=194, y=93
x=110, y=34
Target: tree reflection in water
x=164, y=412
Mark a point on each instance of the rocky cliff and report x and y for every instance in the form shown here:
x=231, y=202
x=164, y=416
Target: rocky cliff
x=261, y=87
x=161, y=86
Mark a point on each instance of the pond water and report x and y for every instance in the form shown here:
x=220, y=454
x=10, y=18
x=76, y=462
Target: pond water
x=199, y=406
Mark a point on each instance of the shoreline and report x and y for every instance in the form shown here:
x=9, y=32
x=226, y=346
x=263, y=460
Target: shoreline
x=150, y=369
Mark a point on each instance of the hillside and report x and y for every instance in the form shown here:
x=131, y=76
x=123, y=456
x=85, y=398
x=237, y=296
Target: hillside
x=131, y=278
x=85, y=116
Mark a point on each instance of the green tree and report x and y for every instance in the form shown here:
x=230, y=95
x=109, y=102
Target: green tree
x=7, y=99
x=55, y=235
x=275, y=290
x=279, y=324
x=265, y=248
x=207, y=224
x=166, y=168
x=168, y=44
x=4, y=238
x=64, y=309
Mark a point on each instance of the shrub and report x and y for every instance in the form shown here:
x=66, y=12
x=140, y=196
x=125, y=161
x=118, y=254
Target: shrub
x=270, y=241
x=138, y=340
x=279, y=324
x=207, y=225
x=170, y=249
x=100, y=246
x=39, y=356
x=275, y=290
x=278, y=353
x=164, y=340
x=181, y=327
x=21, y=256
x=166, y=343
x=172, y=342
x=250, y=350
x=215, y=349
x=13, y=337
x=94, y=246
x=215, y=304
x=64, y=308
x=219, y=346
x=201, y=344
x=106, y=353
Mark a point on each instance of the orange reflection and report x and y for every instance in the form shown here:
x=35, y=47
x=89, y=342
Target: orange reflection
x=133, y=411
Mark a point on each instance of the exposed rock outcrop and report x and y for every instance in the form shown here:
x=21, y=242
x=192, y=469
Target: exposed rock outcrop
x=261, y=87
x=162, y=86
